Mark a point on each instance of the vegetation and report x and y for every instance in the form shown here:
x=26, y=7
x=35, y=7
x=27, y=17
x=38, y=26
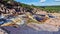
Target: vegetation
x=50, y=9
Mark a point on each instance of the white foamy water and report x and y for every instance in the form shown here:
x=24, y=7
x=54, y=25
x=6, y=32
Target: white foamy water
x=2, y=16
x=43, y=27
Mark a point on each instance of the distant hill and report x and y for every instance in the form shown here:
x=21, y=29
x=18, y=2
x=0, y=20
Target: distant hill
x=51, y=8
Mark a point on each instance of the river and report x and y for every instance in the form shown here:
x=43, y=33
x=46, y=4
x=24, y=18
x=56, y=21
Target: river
x=27, y=30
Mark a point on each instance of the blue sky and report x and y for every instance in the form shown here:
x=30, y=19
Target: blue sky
x=40, y=2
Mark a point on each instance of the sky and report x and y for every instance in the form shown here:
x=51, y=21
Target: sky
x=40, y=2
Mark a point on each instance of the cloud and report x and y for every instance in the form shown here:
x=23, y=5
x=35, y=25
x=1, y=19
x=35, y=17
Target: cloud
x=57, y=0
x=42, y=0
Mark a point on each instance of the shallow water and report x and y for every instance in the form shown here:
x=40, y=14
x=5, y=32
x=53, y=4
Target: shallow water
x=27, y=30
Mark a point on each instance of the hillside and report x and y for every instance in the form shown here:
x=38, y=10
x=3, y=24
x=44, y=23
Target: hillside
x=11, y=3
x=6, y=6
x=50, y=9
